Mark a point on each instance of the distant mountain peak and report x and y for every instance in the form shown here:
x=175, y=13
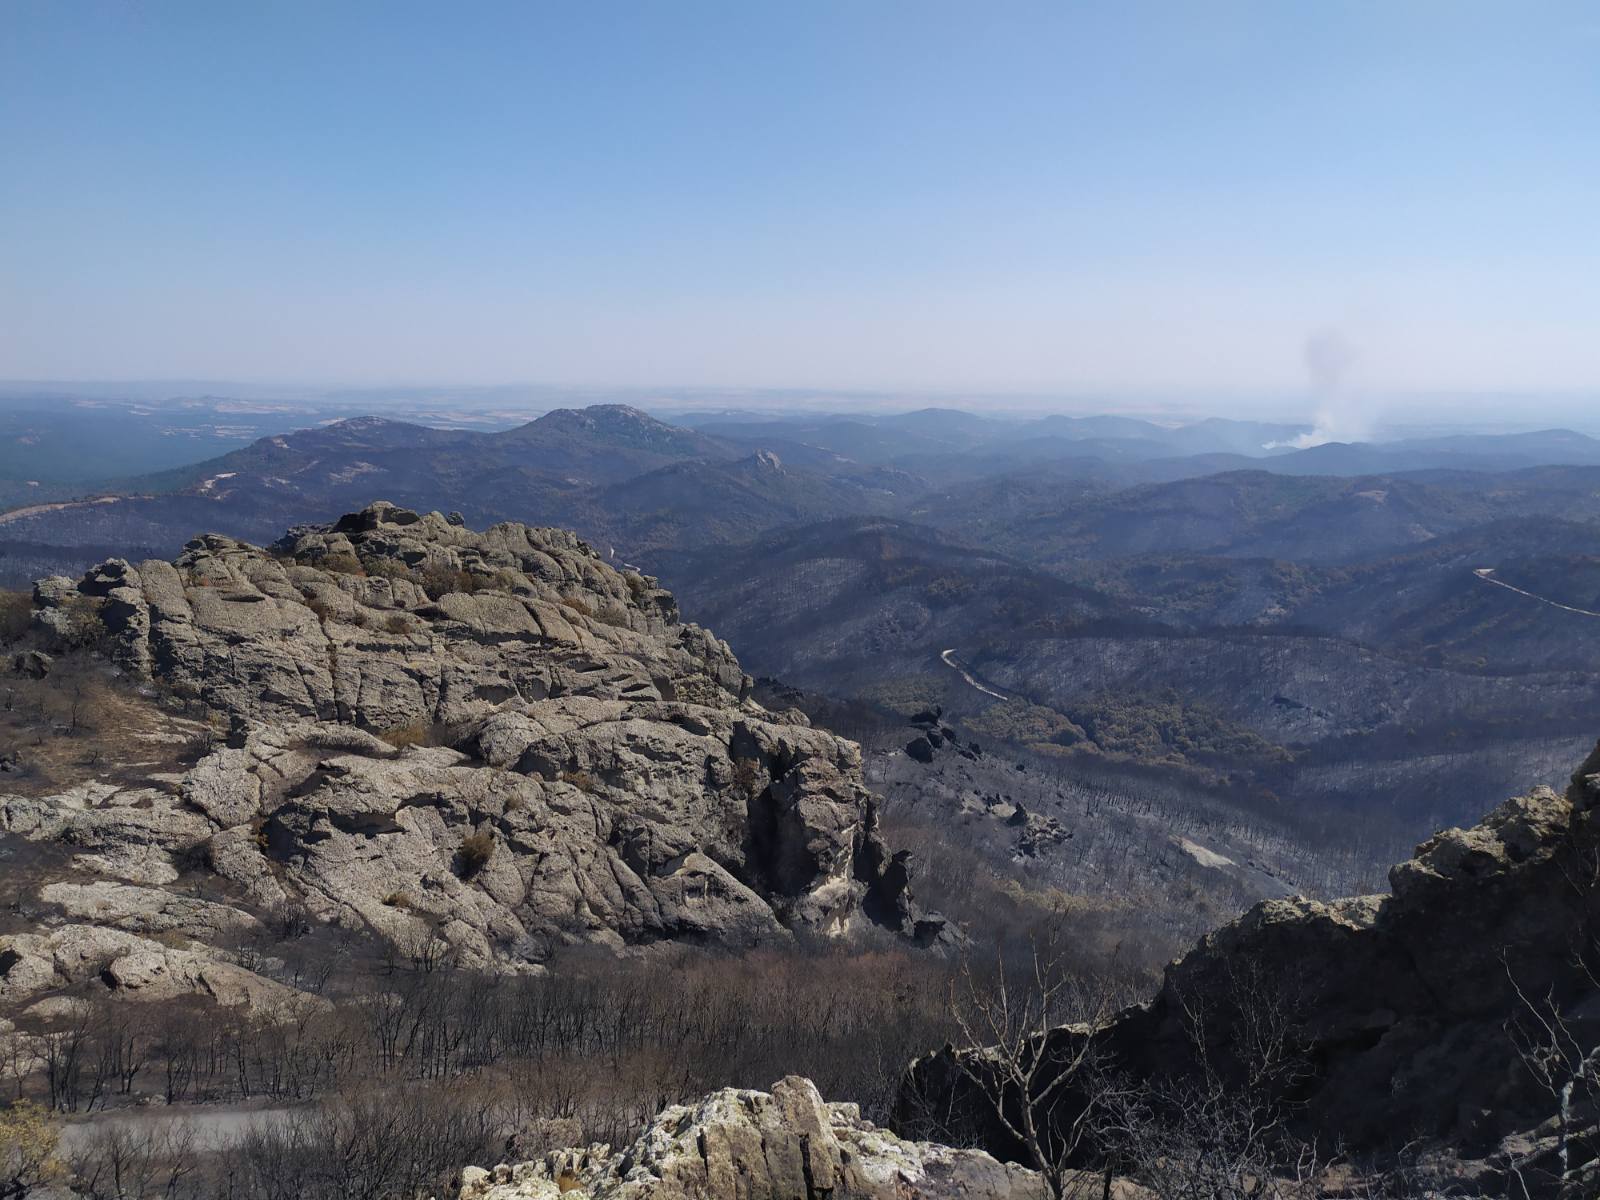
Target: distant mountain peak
x=366, y=421
x=610, y=428
x=600, y=414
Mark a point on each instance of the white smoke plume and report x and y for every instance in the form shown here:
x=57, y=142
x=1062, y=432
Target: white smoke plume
x=1342, y=414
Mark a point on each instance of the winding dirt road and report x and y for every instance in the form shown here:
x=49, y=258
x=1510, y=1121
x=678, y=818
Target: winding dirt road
x=33, y=510
x=948, y=658
x=1487, y=575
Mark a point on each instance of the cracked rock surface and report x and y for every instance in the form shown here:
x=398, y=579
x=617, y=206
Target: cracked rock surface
x=786, y=1142
x=490, y=742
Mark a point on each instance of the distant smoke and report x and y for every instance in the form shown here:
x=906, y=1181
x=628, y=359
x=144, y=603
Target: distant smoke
x=1341, y=415
x=1329, y=357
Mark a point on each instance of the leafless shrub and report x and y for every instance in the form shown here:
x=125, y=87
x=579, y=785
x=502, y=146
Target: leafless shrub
x=380, y=566
x=1047, y=1090
x=440, y=581
x=747, y=777
x=1224, y=1130
x=16, y=615
x=122, y=1161
x=84, y=627
x=1561, y=1055
x=396, y=1145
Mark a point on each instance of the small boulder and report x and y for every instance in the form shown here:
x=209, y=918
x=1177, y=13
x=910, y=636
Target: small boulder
x=34, y=664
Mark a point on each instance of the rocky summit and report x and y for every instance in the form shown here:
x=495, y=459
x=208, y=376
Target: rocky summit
x=746, y=1144
x=490, y=743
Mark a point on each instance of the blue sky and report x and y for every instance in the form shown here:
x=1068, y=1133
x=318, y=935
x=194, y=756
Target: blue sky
x=1117, y=197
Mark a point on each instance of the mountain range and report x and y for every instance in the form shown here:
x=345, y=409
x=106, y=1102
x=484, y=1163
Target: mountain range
x=1305, y=627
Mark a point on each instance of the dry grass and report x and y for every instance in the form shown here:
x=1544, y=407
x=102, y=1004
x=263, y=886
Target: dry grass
x=77, y=724
x=413, y=734
x=476, y=850
x=747, y=777
x=341, y=563
x=386, y=568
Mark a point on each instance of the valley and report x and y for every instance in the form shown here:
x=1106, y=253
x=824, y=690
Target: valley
x=366, y=740
x=831, y=601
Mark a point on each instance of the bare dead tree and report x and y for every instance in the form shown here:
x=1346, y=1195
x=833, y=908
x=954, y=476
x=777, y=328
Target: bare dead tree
x=1221, y=1129
x=119, y=1161
x=1561, y=1053
x=1563, y=1058
x=1047, y=1086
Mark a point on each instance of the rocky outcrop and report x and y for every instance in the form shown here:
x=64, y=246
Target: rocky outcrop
x=1400, y=1009
x=786, y=1143
x=136, y=967
x=388, y=619
x=492, y=743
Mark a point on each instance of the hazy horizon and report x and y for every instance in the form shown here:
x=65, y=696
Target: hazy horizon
x=1028, y=197
x=1380, y=417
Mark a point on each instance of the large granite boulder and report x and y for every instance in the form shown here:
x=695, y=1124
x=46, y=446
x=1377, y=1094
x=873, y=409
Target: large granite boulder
x=738, y=1145
x=389, y=619
x=491, y=743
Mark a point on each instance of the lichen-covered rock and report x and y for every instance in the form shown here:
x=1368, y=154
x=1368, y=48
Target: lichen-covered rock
x=132, y=966
x=490, y=741
x=390, y=619
x=147, y=910
x=733, y=1145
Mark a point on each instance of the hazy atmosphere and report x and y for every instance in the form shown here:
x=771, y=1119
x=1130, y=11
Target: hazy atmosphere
x=799, y=600
x=1048, y=198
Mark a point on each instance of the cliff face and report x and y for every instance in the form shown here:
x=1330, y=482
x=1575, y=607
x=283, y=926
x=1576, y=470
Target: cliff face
x=490, y=742
x=1411, y=1016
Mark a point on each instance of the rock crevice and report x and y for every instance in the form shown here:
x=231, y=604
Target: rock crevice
x=491, y=740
